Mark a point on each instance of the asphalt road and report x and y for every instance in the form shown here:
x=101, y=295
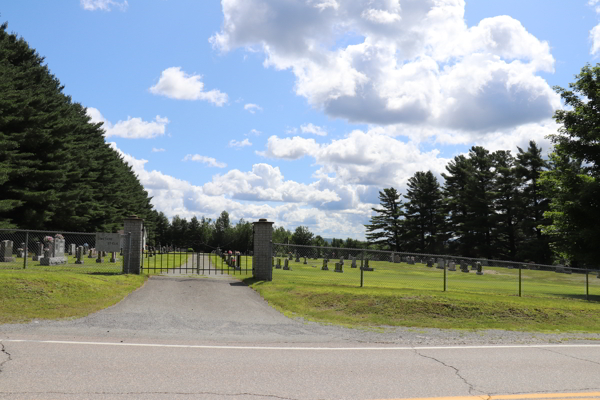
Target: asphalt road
x=214, y=338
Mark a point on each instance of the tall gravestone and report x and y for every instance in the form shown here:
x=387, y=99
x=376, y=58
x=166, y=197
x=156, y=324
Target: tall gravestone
x=79, y=253
x=261, y=261
x=6, y=248
x=39, y=252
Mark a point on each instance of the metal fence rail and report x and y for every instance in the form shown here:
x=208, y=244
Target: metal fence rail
x=33, y=250
x=429, y=272
x=166, y=260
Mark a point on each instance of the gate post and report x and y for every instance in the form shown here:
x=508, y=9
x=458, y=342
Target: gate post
x=132, y=256
x=262, y=264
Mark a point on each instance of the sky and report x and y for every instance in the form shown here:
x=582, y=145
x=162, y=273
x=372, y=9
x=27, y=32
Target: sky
x=301, y=111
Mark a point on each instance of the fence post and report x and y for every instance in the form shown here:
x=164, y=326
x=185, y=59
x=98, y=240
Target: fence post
x=262, y=260
x=25, y=250
x=445, y=277
x=587, y=284
x=520, y=280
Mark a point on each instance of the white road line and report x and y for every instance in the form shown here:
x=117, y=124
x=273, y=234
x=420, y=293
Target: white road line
x=186, y=346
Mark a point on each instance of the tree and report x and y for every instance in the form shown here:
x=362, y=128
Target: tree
x=508, y=206
x=455, y=191
x=281, y=235
x=424, y=214
x=221, y=235
x=385, y=227
x=573, y=183
x=529, y=166
x=302, y=236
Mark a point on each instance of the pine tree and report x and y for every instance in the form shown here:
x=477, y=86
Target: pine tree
x=508, y=206
x=460, y=172
x=385, y=228
x=424, y=214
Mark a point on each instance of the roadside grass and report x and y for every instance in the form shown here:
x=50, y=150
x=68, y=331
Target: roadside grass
x=27, y=295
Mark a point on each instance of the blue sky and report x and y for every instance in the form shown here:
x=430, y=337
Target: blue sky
x=300, y=111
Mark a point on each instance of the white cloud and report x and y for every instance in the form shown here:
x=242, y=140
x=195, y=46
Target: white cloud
x=176, y=84
x=314, y=129
x=419, y=64
x=253, y=132
x=103, y=5
x=210, y=161
x=155, y=150
x=132, y=128
x=289, y=148
x=238, y=144
x=252, y=108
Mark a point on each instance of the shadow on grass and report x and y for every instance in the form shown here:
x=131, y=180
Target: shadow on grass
x=590, y=298
x=239, y=283
x=104, y=273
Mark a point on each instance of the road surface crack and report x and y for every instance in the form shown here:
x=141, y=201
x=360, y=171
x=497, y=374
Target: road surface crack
x=8, y=356
x=570, y=356
x=472, y=389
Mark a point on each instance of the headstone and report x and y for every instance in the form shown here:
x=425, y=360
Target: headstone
x=39, y=252
x=291, y=257
x=99, y=260
x=305, y=261
x=86, y=248
x=440, y=264
x=464, y=267
x=393, y=257
x=479, y=268
x=20, y=252
x=113, y=257
x=342, y=261
x=339, y=267
x=398, y=259
x=324, y=267
x=365, y=266
x=510, y=266
x=353, y=262
x=79, y=253
x=286, y=265
x=238, y=263
x=72, y=249
x=451, y=266
x=90, y=253
x=278, y=264
x=56, y=253
x=6, y=247
x=430, y=263
x=410, y=260
x=297, y=257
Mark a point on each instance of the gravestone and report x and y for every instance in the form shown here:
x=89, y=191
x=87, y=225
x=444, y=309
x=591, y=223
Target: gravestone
x=297, y=257
x=278, y=264
x=113, y=257
x=39, y=252
x=430, y=263
x=342, y=261
x=86, y=248
x=99, y=260
x=90, y=253
x=339, y=267
x=464, y=267
x=365, y=266
x=393, y=257
x=451, y=266
x=72, y=249
x=238, y=263
x=324, y=267
x=20, y=252
x=55, y=254
x=397, y=258
x=79, y=253
x=286, y=265
x=441, y=263
x=305, y=262
x=6, y=247
x=353, y=262
x=291, y=257
x=479, y=268
x=410, y=260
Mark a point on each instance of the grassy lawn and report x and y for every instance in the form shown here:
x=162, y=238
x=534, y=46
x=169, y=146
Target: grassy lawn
x=163, y=263
x=412, y=295
x=27, y=294
x=89, y=265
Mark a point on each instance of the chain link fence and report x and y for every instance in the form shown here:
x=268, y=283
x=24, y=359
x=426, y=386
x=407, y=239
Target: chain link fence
x=56, y=251
x=429, y=272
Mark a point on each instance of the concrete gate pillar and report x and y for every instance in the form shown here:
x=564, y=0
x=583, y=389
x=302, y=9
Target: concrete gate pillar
x=132, y=256
x=262, y=264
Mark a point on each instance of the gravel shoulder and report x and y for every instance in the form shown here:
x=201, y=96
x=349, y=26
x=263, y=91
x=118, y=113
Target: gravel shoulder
x=222, y=310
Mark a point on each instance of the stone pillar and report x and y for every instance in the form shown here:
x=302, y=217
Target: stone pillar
x=132, y=257
x=261, y=261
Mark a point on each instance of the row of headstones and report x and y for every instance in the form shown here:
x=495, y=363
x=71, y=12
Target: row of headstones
x=53, y=255
x=397, y=258
x=339, y=267
x=80, y=252
x=451, y=265
x=233, y=261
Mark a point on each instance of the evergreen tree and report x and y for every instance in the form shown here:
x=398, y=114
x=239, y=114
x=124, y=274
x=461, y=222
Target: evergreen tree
x=508, y=206
x=456, y=199
x=302, y=236
x=385, y=227
x=424, y=214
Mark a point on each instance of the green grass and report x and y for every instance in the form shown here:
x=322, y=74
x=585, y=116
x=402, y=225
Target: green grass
x=163, y=263
x=26, y=295
x=412, y=295
x=89, y=265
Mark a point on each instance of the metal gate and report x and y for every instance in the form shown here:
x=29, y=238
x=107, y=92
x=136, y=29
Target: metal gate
x=167, y=261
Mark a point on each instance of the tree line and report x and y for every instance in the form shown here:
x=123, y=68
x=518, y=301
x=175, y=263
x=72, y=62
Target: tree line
x=56, y=170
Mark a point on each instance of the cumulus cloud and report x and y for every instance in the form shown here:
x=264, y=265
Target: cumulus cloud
x=238, y=144
x=418, y=63
x=132, y=128
x=210, y=161
x=289, y=148
x=103, y=5
x=314, y=129
x=254, y=132
x=252, y=108
x=176, y=84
